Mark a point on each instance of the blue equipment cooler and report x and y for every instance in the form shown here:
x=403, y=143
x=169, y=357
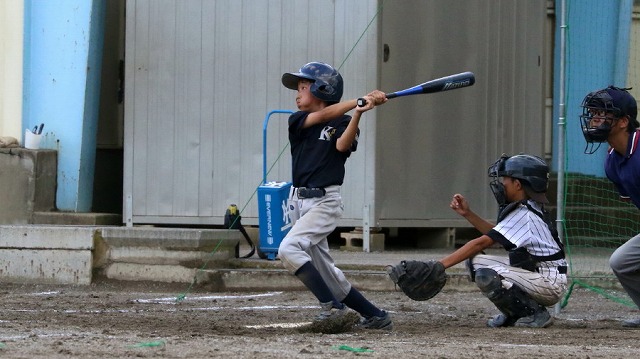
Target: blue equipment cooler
x=273, y=215
x=275, y=222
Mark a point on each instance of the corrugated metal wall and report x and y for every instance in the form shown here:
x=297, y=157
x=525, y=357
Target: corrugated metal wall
x=201, y=75
x=430, y=147
x=200, y=78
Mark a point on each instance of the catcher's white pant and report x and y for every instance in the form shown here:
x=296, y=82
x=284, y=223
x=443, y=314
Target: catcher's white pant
x=307, y=239
x=546, y=287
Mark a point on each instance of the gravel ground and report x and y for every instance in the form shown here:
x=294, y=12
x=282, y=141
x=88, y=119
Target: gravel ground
x=117, y=320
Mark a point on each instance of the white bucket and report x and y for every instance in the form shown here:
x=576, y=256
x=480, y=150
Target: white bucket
x=31, y=140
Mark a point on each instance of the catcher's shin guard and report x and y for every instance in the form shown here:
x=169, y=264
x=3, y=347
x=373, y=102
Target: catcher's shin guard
x=513, y=302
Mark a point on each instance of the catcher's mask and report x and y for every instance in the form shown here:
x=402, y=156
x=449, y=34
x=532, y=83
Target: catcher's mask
x=532, y=171
x=327, y=83
x=600, y=109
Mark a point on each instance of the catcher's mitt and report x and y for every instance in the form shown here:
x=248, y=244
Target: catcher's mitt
x=418, y=280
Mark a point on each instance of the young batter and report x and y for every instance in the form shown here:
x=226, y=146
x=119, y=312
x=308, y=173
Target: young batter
x=533, y=276
x=322, y=137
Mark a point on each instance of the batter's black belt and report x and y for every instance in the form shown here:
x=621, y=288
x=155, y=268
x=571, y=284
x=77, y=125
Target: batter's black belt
x=315, y=192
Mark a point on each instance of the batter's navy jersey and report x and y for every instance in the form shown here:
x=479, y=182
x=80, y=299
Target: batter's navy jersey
x=315, y=160
x=624, y=171
x=524, y=228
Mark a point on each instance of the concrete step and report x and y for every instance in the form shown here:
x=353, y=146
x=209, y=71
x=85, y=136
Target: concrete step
x=257, y=279
x=75, y=254
x=42, y=254
x=28, y=179
x=204, y=257
x=365, y=270
x=182, y=256
x=77, y=219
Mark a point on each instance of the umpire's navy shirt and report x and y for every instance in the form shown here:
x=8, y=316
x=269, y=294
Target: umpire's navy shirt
x=315, y=160
x=624, y=171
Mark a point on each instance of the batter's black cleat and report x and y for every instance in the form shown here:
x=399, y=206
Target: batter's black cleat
x=329, y=311
x=382, y=323
x=540, y=319
x=500, y=321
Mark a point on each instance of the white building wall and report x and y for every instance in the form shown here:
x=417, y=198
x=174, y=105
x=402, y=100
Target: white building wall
x=11, y=34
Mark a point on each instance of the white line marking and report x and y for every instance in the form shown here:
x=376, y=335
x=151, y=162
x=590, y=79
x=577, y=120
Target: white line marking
x=172, y=300
x=218, y=308
x=264, y=307
x=278, y=325
x=45, y=293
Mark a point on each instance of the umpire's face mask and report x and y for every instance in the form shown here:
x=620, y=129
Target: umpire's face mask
x=495, y=172
x=596, y=126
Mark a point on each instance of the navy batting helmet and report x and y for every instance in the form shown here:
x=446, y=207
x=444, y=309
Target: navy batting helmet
x=326, y=81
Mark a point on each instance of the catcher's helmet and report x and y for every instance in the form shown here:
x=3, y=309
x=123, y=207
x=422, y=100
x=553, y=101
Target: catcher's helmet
x=608, y=104
x=327, y=81
x=531, y=170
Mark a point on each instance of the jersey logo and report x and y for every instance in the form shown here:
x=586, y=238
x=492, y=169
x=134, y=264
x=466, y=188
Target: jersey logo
x=286, y=216
x=327, y=133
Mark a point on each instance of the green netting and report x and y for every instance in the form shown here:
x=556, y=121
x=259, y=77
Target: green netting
x=595, y=221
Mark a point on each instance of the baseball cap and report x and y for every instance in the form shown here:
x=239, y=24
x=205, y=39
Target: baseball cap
x=624, y=102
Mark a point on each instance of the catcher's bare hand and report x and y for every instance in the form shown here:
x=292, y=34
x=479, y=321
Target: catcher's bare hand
x=459, y=204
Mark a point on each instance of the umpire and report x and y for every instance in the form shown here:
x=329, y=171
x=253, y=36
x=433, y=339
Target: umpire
x=610, y=115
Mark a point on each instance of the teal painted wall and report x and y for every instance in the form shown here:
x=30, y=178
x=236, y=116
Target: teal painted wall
x=63, y=44
x=596, y=57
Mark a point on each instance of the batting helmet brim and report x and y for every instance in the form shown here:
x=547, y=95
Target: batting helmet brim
x=290, y=80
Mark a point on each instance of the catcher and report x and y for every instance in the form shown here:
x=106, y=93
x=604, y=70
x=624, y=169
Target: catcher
x=531, y=277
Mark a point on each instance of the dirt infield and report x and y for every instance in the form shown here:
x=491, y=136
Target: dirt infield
x=111, y=320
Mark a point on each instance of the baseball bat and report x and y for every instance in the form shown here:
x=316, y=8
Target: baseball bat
x=451, y=82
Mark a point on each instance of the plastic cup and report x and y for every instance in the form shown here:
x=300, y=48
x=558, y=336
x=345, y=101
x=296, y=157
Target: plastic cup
x=31, y=140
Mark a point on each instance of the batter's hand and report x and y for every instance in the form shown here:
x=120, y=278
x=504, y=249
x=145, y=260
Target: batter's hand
x=378, y=96
x=459, y=204
x=371, y=100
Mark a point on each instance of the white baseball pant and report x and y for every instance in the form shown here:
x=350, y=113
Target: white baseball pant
x=546, y=287
x=307, y=239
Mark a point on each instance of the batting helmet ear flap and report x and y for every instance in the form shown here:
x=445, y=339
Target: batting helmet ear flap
x=325, y=88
